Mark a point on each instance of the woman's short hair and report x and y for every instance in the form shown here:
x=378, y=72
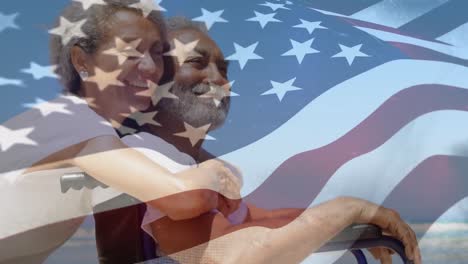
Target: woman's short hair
x=97, y=19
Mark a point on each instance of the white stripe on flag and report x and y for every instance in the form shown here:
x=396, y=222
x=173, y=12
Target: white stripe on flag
x=328, y=12
x=395, y=13
x=374, y=183
x=374, y=175
x=6, y=81
x=461, y=51
x=457, y=37
x=337, y=111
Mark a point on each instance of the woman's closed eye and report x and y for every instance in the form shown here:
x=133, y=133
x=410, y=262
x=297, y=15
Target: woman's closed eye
x=130, y=52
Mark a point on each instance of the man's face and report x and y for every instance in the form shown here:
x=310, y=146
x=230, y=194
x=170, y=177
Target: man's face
x=200, y=81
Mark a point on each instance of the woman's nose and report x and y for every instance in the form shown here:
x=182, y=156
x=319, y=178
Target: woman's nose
x=146, y=66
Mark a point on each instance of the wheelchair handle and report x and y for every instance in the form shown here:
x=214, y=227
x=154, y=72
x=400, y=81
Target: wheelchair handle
x=362, y=236
x=78, y=181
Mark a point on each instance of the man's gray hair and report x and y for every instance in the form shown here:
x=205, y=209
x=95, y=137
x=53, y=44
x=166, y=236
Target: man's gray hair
x=97, y=21
x=180, y=23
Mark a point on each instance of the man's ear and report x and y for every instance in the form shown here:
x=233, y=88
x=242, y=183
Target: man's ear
x=79, y=59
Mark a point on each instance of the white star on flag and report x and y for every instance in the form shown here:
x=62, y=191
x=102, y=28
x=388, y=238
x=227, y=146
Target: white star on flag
x=104, y=79
x=148, y=6
x=9, y=137
x=182, y=51
x=208, y=137
x=300, y=49
x=210, y=17
x=350, y=53
x=263, y=19
x=46, y=108
x=38, y=72
x=310, y=26
x=123, y=130
x=89, y=101
x=217, y=97
x=68, y=30
x=274, y=6
x=88, y=3
x=280, y=89
x=289, y=2
x=230, y=85
x=6, y=81
x=243, y=55
x=8, y=21
x=131, y=110
x=158, y=92
x=194, y=134
x=145, y=118
x=123, y=50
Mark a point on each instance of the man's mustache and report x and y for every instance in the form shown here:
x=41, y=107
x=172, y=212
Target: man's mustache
x=200, y=89
x=209, y=89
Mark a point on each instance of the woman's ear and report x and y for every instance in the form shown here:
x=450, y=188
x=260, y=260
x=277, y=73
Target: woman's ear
x=79, y=59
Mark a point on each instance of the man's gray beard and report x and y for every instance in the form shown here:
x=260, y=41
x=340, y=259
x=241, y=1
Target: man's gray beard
x=193, y=109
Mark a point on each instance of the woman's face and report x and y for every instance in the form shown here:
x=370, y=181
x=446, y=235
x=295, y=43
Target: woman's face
x=126, y=63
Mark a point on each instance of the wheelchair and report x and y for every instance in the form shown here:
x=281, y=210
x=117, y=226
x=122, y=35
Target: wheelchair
x=354, y=238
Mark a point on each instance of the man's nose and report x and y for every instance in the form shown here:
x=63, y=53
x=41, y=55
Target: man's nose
x=146, y=66
x=214, y=76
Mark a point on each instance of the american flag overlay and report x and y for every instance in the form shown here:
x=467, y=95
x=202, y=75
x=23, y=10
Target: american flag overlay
x=364, y=98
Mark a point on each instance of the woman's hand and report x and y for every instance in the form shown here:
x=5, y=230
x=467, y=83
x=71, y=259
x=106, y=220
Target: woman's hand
x=202, y=188
x=229, y=193
x=211, y=175
x=229, y=184
x=391, y=223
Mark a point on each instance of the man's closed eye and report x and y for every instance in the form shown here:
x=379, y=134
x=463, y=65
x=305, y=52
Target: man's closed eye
x=198, y=62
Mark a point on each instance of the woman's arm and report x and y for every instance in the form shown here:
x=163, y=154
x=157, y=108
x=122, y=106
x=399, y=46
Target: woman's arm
x=181, y=196
x=282, y=240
